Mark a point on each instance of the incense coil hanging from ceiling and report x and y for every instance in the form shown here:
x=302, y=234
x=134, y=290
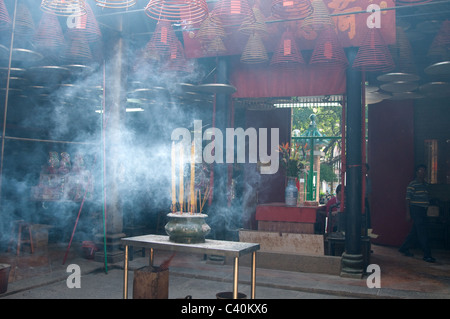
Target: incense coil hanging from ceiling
x=254, y=51
x=232, y=13
x=5, y=20
x=177, y=61
x=254, y=25
x=86, y=25
x=209, y=31
x=373, y=54
x=320, y=18
x=328, y=52
x=216, y=46
x=78, y=50
x=402, y=53
x=24, y=26
x=163, y=38
x=288, y=9
x=287, y=54
x=440, y=47
x=64, y=7
x=116, y=4
x=185, y=12
x=49, y=38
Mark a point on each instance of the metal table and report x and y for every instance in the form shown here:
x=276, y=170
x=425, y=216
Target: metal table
x=215, y=247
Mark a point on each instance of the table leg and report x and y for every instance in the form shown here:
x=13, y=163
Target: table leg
x=235, y=277
x=253, y=275
x=125, y=274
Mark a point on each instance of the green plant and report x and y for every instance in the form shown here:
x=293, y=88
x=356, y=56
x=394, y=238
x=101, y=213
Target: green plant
x=290, y=159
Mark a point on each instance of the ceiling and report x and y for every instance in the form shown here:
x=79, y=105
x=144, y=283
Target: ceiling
x=420, y=23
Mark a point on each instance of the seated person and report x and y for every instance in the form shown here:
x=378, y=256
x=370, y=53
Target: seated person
x=332, y=208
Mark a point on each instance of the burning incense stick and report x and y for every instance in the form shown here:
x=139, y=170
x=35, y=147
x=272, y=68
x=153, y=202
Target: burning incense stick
x=174, y=195
x=181, y=197
x=191, y=190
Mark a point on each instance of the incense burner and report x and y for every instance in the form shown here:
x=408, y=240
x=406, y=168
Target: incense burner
x=187, y=228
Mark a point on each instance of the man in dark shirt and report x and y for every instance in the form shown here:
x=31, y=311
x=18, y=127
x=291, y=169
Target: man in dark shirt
x=416, y=209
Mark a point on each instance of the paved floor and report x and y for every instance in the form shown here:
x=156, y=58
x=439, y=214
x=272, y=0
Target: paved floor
x=43, y=276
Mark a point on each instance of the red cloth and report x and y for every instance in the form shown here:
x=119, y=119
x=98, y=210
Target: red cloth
x=254, y=81
x=282, y=213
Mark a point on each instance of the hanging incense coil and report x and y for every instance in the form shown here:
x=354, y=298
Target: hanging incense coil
x=177, y=61
x=64, y=7
x=328, y=52
x=116, y=4
x=254, y=51
x=287, y=54
x=373, y=54
x=440, y=47
x=185, y=12
x=256, y=25
x=78, y=50
x=49, y=38
x=288, y=9
x=402, y=53
x=87, y=25
x=164, y=38
x=210, y=30
x=5, y=20
x=216, y=46
x=320, y=18
x=25, y=27
x=232, y=13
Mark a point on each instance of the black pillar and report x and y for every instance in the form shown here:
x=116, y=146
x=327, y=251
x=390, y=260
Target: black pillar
x=352, y=259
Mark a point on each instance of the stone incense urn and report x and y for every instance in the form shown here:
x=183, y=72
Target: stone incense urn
x=187, y=228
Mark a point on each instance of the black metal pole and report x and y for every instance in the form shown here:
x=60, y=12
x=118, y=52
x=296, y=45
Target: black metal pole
x=352, y=259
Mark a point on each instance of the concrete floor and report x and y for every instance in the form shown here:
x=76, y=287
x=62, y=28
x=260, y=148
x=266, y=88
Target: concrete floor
x=42, y=275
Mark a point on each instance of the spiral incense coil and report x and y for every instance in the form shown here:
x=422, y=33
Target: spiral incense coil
x=216, y=46
x=49, y=34
x=256, y=25
x=164, y=38
x=210, y=30
x=288, y=9
x=232, y=13
x=185, y=12
x=328, y=52
x=287, y=54
x=86, y=25
x=320, y=19
x=64, y=7
x=116, y=4
x=254, y=51
x=78, y=50
x=5, y=20
x=373, y=54
x=177, y=61
x=402, y=53
x=25, y=26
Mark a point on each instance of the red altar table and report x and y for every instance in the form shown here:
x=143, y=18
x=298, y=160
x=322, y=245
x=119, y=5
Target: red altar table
x=279, y=217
